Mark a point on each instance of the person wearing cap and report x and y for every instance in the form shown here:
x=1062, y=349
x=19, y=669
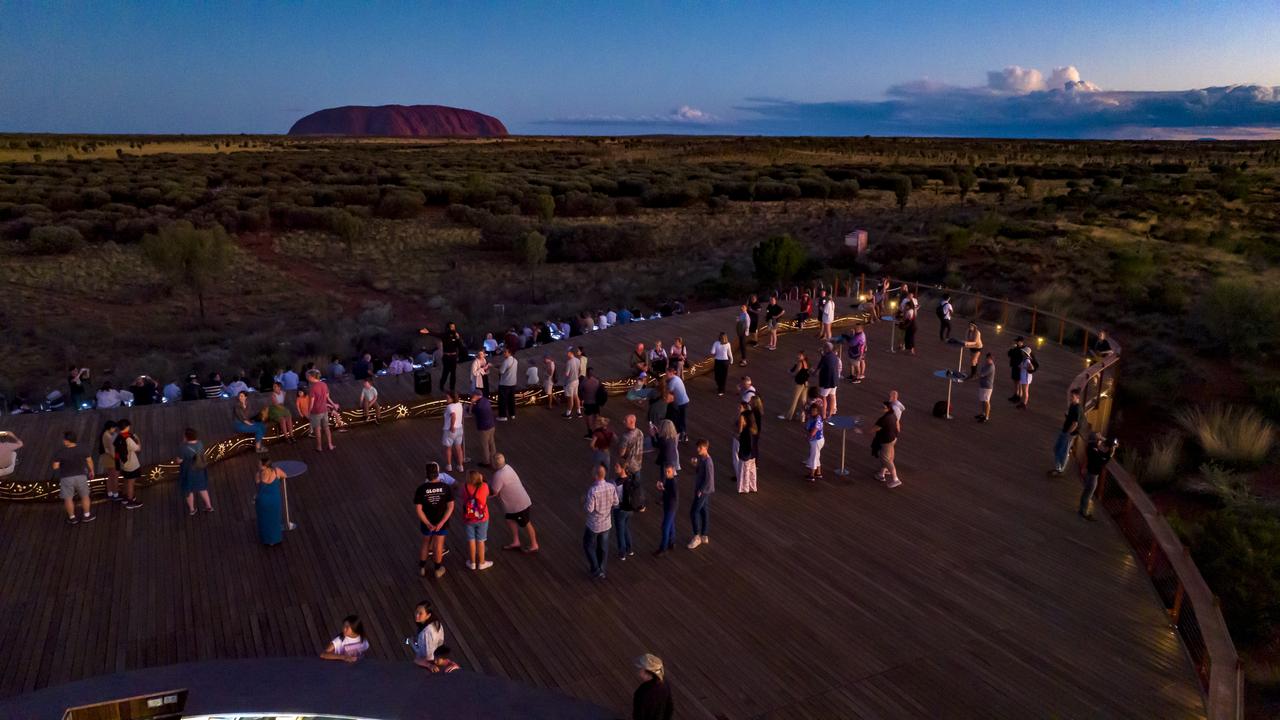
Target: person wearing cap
x=1026, y=370
x=1098, y=454
x=652, y=700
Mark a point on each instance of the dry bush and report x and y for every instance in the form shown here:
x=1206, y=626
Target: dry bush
x=1162, y=461
x=1232, y=434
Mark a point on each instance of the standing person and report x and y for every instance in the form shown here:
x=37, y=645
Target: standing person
x=800, y=375
x=1067, y=435
x=677, y=356
x=77, y=386
x=857, y=351
x=973, y=341
x=482, y=413
x=591, y=392
x=480, y=373
x=772, y=316
x=878, y=294
x=193, y=472
x=571, y=379
x=549, y=380
x=678, y=407
x=632, y=499
x=507, y=487
x=107, y=459
x=668, y=488
x=475, y=511
x=1097, y=455
x=704, y=485
x=74, y=468
x=601, y=443
x=318, y=391
x=723, y=354
x=1026, y=373
x=508, y=377
x=350, y=644
x=666, y=446
x=1015, y=356
x=245, y=420
x=945, y=310
x=453, y=437
x=602, y=498
x=986, y=384
x=433, y=504
x=629, y=446
x=581, y=353
x=126, y=447
x=753, y=310
x=652, y=700
x=908, y=312
x=279, y=413
x=898, y=407
x=828, y=379
x=450, y=349
x=884, y=443
x=826, y=313
x=745, y=448
x=743, y=329
x=369, y=401
x=813, y=428
x=429, y=636
x=268, y=503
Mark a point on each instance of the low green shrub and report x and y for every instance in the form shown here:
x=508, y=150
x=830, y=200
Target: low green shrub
x=54, y=240
x=1238, y=552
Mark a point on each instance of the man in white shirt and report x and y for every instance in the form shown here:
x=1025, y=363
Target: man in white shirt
x=490, y=344
x=515, y=501
x=945, y=311
x=612, y=317
x=508, y=376
x=898, y=407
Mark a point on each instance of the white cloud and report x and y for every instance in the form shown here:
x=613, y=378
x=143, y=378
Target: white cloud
x=684, y=113
x=1015, y=79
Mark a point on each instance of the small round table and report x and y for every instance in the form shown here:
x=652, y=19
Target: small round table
x=893, y=332
x=952, y=377
x=291, y=468
x=844, y=423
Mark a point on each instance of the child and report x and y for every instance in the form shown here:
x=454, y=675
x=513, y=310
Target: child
x=442, y=663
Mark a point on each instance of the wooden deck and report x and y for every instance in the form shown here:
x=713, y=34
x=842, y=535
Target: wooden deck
x=973, y=590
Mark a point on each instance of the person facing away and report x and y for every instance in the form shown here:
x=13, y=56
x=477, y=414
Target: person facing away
x=601, y=500
x=350, y=644
x=652, y=700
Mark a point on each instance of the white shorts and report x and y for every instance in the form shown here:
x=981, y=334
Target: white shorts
x=984, y=395
x=815, y=453
x=452, y=437
x=826, y=392
x=571, y=390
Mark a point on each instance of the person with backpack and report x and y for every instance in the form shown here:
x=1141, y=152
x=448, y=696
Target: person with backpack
x=193, y=472
x=945, y=311
x=127, y=445
x=602, y=498
x=1026, y=373
x=632, y=498
x=704, y=484
x=475, y=509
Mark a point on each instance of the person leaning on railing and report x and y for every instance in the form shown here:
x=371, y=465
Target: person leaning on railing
x=1097, y=455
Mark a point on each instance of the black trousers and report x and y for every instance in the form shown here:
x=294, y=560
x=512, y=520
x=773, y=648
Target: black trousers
x=449, y=369
x=742, y=347
x=722, y=374
x=944, y=331
x=506, y=401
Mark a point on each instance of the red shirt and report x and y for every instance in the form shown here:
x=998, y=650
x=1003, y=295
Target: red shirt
x=319, y=397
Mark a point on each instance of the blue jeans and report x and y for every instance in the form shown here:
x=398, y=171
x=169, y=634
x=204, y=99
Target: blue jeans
x=700, y=514
x=1086, y=496
x=668, y=524
x=258, y=429
x=622, y=526
x=596, y=547
x=1060, y=450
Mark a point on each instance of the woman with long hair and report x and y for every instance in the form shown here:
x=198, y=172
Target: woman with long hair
x=746, y=459
x=350, y=644
x=245, y=420
x=678, y=355
x=278, y=413
x=667, y=445
x=107, y=459
x=475, y=511
x=269, y=503
x=722, y=351
x=429, y=636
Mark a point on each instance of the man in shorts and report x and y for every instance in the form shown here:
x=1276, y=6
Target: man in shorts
x=433, y=503
x=828, y=378
x=772, y=314
x=572, y=375
x=453, y=435
x=515, y=500
x=127, y=445
x=74, y=468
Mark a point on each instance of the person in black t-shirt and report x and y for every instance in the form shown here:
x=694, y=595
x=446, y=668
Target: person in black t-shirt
x=433, y=502
x=772, y=313
x=885, y=443
x=1097, y=456
x=753, y=308
x=1015, y=364
x=450, y=350
x=1066, y=436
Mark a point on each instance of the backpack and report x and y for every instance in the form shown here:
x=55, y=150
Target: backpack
x=200, y=462
x=121, y=447
x=634, y=491
x=941, y=314
x=1035, y=364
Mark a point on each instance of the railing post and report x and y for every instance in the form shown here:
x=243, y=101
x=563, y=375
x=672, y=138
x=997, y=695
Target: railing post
x=1034, y=312
x=862, y=284
x=977, y=306
x=1086, y=343
x=1004, y=313
x=1062, y=329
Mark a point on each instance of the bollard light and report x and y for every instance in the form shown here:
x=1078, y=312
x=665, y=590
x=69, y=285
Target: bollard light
x=1040, y=340
x=999, y=327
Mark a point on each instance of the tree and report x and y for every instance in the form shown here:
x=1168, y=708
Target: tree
x=778, y=259
x=190, y=257
x=1029, y=186
x=349, y=228
x=966, y=180
x=901, y=185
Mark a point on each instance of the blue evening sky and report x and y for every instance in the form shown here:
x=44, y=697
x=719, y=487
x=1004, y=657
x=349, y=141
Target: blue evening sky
x=613, y=67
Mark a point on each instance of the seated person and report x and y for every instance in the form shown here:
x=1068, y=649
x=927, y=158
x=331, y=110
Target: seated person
x=108, y=397
x=423, y=357
x=214, y=388
x=639, y=361
x=237, y=386
x=441, y=662
x=399, y=365
x=350, y=645
x=531, y=376
x=363, y=367
x=624, y=316
x=336, y=370
x=172, y=392
x=490, y=343
x=9, y=447
x=144, y=390
x=512, y=340
x=1102, y=347
x=192, y=389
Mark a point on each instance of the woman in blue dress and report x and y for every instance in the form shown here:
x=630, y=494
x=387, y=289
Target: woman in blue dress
x=193, y=472
x=268, y=503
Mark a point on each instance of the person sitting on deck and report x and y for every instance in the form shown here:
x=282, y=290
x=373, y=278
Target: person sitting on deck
x=349, y=646
x=9, y=447
x=442, y=663
x=214, y=387
x=108, y=396
x=336, y=370
x=245, y=420
x=638, y=361
x=172, y=392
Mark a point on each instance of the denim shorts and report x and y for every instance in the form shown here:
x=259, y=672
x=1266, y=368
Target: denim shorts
x=478, y=531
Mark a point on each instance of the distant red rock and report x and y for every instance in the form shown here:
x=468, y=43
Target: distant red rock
x=399, y=121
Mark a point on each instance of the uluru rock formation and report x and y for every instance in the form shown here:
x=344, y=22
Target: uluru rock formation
x=399, y=121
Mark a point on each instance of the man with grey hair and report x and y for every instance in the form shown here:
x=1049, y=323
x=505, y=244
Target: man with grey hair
x=652, y=700
x=515, y=501
x=628, y=448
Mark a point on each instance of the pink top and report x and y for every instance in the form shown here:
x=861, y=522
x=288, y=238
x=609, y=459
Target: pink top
x=319, y=397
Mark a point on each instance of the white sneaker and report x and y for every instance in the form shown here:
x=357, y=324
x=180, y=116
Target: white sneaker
x=782, y=417
x=471, y=565
x=894, y=483
x=486, y=565
x=695, y=542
